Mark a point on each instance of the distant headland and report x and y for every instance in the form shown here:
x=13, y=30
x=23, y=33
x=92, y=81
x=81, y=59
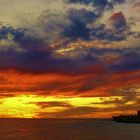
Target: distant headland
x=128, y=118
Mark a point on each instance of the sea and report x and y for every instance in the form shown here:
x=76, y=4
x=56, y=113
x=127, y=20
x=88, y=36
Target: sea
x=67, y=129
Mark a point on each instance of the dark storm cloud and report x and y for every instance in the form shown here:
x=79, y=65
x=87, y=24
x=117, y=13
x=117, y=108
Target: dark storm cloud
x=42, y=62
x=23, y=37
x=36, y=56
x=82, y=23
x=101, y=3
x=79, y=20
x=120, y=29
x=80, y=27
x=126, y=58
x=130, y=60
x=75, y=23
x=102, y=33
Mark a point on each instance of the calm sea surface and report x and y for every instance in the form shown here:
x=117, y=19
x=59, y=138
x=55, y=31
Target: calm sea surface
x=69, y=129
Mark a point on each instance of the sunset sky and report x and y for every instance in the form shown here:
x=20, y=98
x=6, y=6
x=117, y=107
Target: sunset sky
x=69, y=58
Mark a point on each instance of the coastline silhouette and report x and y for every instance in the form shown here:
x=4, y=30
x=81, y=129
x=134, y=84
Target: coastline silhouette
x=128, y=118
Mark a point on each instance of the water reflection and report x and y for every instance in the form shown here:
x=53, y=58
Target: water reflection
x=69, y=129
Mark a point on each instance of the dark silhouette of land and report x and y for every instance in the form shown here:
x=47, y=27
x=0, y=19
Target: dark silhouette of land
x=128, y=118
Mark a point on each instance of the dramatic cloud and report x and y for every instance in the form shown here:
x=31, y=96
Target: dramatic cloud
x=69, y=58
x=101, y=3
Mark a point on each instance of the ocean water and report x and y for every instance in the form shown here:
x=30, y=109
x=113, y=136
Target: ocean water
x=67, y=129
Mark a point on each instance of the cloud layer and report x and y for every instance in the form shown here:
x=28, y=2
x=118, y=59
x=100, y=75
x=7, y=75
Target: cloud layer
x=86, y=49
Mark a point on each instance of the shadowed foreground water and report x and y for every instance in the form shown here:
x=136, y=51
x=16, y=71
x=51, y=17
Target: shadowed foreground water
x=69, y=129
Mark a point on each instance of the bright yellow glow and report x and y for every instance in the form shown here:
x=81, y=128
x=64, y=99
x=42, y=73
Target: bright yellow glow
x=25, y=106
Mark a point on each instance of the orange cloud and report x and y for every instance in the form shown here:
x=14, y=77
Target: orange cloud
x=60, y=95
